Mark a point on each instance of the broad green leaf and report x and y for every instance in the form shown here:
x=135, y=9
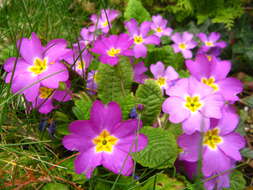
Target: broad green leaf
x=150, y=95
x=163, y=182
x=237, y=182
x=161, y=151
x=82, y=107
x=54, y=186
x=127, y=103
x=166, y=55
x=136, y=10
x=248, y=101
x=114, y=81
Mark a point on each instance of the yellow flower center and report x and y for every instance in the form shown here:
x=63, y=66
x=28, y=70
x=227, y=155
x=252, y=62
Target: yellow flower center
x=210, y=82
x=104, y=142
x=159, y=29
x=105, y=24
x=207, y=43
x=161, y=81
x=138, y=39
x=193, y=103
x=212, y=138
x=95, y=76
x=182, y=46
x=39, y=66
x=113, y=52
x=45, y=92
x=209, y=57
x=81, y=65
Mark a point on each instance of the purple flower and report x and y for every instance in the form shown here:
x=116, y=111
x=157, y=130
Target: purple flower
x=44, y=102
x=220, y=144
x=192, y=103
x=214, y=74
x=211, y=41
x=141, y=37
x=79, y=59
x=159, y=25
x=110, y=48
x=183, y=43
x=139, y=70
x=104, y=20
x=88, y=35
x=37, y=63
x=164, y=78
x=104, y=140
x=92, y=82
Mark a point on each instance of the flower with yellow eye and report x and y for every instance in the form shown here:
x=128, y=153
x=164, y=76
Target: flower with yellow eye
x=159, y=26
x=183, y=43
x=38, y=66
x=220, y=145
x=141, y=37
x=192, y=103
x=112, y=47
x=105, y=140
x=213, y=72
x=164, y=77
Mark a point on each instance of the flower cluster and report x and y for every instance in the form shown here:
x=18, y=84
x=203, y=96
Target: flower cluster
x=202, y=102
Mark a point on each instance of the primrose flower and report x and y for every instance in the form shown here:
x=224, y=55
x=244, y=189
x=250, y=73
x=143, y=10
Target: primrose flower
x=220, y=144
x=159, y=25
x=183, y=43
x=110, y=48
x=139, y=70
x=104, y=140
x=164, y=77
x=38, y=66
x=211, y=41
x=79, y=59
x=44, y=102
x=141, y=37
x=104, y=20
x=92, y=82
x=192, y=103
x=88, y=35
x=213, y=72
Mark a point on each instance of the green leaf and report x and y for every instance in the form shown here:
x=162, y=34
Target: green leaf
x=150, y=95
x=161, y=151
x=247, y=152
x=248, y=101
x=237, y=181
x=167, y=55
x=54, y=186
x=127, y=103
x=82, y=107
x=163, y=182
x=136, y=10
x=114, y=81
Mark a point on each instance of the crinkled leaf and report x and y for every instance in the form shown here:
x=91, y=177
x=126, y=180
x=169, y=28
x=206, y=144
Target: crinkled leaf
x=114, y=81
x=82, y=107
x=237, y=181
x=127, y=103
x=161, y=151
x=150, y=95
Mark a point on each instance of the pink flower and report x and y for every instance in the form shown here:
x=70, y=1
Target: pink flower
x=211, y=41
x=139, y=72
x=164, y=77
x=183, y=43
x=110, y=48
x=213, y=72
x=38, y=66
x=159, y=25
x=44, y=102
x=104, y=140
x=104, y=20
x=140, y=37
x=192, y=103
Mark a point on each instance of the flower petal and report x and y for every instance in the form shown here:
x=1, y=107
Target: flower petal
x=140, y=51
